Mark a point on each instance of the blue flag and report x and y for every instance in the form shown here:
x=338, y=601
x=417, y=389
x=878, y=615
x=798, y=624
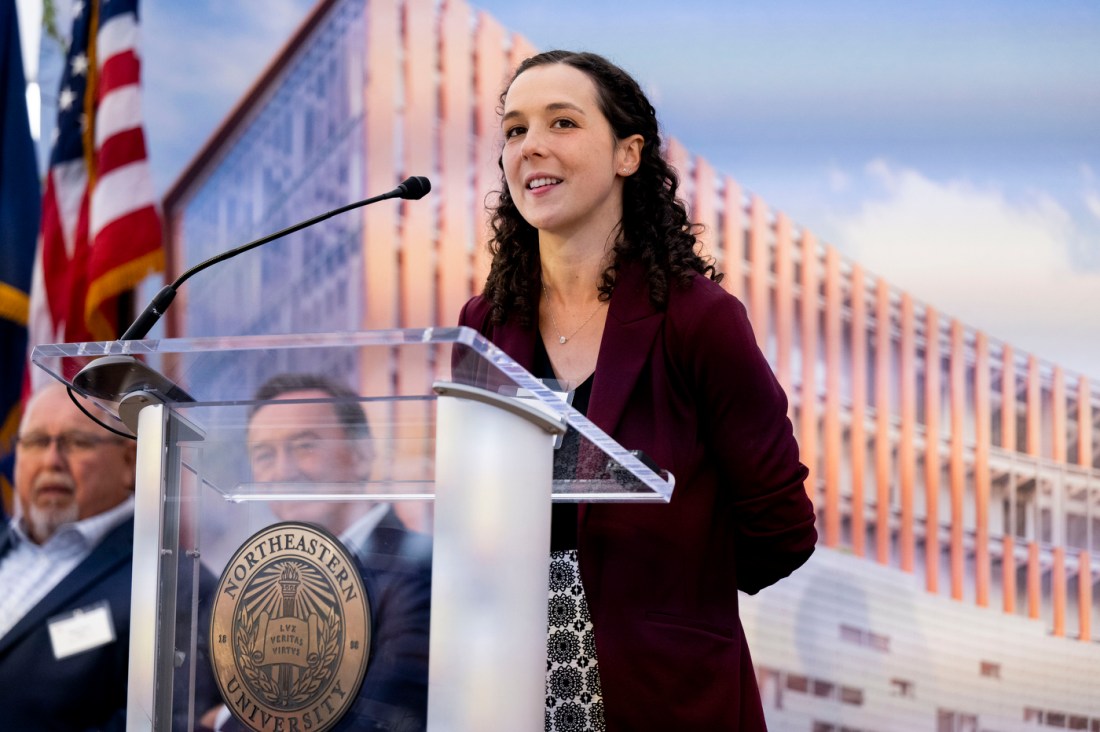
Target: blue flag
x=19, y=211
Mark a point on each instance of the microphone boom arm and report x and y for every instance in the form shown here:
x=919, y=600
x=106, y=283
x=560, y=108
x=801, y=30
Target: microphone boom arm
x=412, y=188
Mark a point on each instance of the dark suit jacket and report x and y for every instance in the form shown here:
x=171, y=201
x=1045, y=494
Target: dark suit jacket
x=86, y=691
x=689, y=387
x=396, y=571
x=391, y=543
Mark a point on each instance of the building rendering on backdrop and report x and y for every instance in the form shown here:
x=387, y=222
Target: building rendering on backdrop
x=956, y=478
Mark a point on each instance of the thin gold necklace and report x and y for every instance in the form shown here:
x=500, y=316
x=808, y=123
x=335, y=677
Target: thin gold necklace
x=563, y=339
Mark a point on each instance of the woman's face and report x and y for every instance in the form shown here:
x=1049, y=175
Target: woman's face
x=562, y=162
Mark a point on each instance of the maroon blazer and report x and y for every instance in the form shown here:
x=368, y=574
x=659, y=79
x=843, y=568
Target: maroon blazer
x=690, y=388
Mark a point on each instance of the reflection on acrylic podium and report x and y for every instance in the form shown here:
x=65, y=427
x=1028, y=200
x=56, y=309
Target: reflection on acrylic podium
x=461, y=443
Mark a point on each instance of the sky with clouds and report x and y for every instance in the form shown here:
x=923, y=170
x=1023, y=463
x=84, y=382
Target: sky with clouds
x=953, y=148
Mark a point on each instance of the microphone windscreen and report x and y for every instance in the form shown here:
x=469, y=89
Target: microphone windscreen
x=415, y=187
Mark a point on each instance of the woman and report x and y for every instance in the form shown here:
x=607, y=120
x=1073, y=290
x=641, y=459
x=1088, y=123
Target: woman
x=595, y=282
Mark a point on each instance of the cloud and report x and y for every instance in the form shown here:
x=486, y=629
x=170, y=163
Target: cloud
x=839, y=180
x=1003, y=266
x=1091, y=194
x=1092, y=202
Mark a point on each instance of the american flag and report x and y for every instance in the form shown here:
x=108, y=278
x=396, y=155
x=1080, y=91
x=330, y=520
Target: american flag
x=100, y=233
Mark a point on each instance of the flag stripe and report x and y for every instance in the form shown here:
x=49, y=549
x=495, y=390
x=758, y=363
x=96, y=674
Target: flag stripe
x=120, y=79
x=120, y=280
x=66, y=185
x=119, y=71
x=40, y=324
x=117, y=35
x=125, y=148
x=143, y=223
x=54, y=291
x=14, y=304
x=122, y=191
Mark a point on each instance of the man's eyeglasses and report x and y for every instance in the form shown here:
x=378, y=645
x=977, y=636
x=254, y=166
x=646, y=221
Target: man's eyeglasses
x=68, y=443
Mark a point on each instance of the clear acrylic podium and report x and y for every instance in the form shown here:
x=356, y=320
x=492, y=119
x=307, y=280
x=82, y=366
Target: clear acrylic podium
x=462, y=443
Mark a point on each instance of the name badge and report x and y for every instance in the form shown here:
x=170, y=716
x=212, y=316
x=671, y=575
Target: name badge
x=81, y=630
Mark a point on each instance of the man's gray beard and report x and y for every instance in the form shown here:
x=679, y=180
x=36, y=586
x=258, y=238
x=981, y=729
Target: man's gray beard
x=43, y=522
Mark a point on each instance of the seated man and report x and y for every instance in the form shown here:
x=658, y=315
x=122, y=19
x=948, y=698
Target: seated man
x=65, y=566
x=327, y=441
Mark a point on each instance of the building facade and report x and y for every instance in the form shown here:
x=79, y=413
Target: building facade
x=956, y=479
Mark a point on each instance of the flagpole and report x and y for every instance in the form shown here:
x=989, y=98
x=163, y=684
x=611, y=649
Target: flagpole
x=30, y=14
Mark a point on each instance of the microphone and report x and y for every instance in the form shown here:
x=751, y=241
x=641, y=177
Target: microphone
x=411, y=189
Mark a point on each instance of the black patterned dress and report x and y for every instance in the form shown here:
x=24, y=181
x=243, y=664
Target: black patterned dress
x=573, y=697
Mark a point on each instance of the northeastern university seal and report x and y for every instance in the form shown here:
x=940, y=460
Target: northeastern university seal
x=290, y=630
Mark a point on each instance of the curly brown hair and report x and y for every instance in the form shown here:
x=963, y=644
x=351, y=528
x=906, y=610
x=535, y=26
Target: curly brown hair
x=654, y=231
